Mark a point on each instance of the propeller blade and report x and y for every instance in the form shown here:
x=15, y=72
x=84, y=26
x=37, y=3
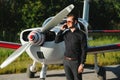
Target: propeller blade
x=14, y=55
x=54, y=21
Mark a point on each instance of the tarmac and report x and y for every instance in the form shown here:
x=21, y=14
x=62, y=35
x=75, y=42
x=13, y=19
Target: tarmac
x=112, y=73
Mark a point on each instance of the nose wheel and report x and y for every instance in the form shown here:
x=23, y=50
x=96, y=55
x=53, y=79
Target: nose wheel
x=30, y=74
x=101, y=71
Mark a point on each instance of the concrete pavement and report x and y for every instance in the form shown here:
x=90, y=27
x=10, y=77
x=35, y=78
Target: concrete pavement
x=112, y=73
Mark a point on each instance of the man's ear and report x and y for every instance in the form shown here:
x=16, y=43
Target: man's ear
x=75, y=21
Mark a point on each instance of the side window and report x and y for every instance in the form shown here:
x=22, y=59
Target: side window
x=82, y=26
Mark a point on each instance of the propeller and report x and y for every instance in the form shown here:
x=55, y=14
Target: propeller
x=14, y=55
x=58, y=18
x=33, y=39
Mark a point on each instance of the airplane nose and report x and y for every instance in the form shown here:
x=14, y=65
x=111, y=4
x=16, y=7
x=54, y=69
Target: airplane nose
x=36, y=37
x=31, y=37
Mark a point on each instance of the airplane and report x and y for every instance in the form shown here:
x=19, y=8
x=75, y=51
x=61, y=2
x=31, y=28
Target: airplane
x=41, y=48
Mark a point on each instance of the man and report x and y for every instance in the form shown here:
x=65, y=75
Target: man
x=75, y=48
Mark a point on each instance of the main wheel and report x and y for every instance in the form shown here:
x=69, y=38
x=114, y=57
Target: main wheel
x=29, y=73
x=102, y=73
x=42, y=79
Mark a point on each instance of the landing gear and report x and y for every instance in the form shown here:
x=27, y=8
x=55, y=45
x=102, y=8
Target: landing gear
x=42, y=78
x=101, y=71
x=43, y=72
x=31, y=70
x=101, y=74
x=30, y=74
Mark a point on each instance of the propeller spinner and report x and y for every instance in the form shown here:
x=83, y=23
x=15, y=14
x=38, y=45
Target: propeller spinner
x=36, y=37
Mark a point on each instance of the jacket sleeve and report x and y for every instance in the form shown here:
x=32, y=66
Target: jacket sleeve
x=59, y=37
x=84, y=48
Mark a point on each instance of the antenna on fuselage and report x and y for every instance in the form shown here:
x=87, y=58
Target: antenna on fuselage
x=86, y=10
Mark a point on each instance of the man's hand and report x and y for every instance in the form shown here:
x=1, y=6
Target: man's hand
x=64, y=27
x=80, y=68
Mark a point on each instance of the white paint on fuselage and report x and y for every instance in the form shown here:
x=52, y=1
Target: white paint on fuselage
x=52, y=52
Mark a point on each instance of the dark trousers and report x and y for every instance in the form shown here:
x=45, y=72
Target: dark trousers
x=71, y=70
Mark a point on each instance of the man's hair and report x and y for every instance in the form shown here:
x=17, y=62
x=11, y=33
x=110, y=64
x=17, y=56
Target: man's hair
x=74, y=16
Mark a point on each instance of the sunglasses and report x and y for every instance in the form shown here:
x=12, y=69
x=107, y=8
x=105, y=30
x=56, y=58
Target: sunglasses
x=69, y=21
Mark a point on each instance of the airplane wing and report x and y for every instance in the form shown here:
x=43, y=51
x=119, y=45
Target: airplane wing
x=103, y=32
x=91, y=49
x=105, y=48
x=10, y=45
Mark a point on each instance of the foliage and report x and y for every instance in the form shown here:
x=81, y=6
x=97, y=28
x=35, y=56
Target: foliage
x=16, y=15
x=9, y=20
x=32, y=13
x=104, y=14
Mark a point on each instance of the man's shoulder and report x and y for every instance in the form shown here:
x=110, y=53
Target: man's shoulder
x=81, y=31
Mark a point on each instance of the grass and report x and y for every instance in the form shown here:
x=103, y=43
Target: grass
x=20, y=64
x=109, y=58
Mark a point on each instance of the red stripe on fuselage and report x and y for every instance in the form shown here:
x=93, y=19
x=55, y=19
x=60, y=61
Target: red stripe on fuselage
x=9, y=45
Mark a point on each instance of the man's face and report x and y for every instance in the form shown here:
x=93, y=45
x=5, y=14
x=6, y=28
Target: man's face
x=70, y=22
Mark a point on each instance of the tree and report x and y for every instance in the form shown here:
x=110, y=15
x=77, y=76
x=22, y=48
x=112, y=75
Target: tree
x=16, y=15
x=10, y=20
x=103, y=14
x=33, y=13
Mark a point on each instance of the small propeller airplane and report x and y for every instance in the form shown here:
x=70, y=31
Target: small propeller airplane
x=40, y=46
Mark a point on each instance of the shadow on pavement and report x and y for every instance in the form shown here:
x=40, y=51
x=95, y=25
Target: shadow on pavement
x=60, y=75
x=115, y=70
x=114, y=79
x=53, y=75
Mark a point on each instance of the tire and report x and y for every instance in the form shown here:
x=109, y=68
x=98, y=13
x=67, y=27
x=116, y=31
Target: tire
x=29, y=73
x=42, y=79
x=102, y=73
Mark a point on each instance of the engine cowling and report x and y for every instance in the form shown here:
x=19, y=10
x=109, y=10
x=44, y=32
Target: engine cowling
x=35, y=37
